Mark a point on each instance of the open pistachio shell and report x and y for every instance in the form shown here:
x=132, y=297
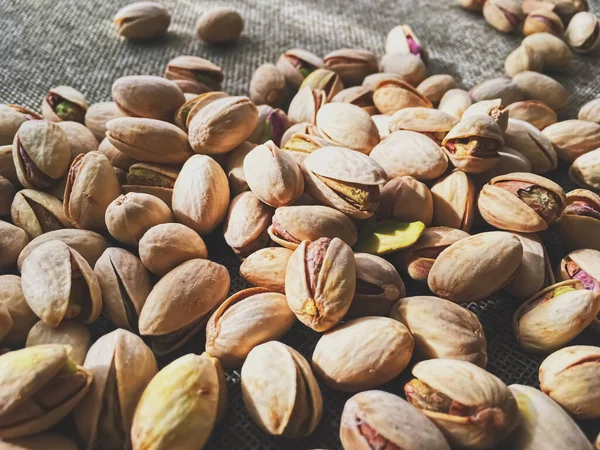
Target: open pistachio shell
x=455, y=102
x=351, y=64
x=73, y=334
x=583, y=32
x=37, y=213
x=555, y=54
x=296, y=64
x=324, y=80
x=266, y=268
x=410, y=68
x=245, y=228
x=531, y=143
x=436, y=86
x=187, y=111
x=503, y=15
x=535, y=271
x=358, y=96
x=523, y=58
x=454, y=201
x=430, y=122
x=305, y=105
x=234, y=168
x=142, y=20
x=590, y=111
x=11, y=118
x=203, y=74
x=389, y=236
x=267, y=86
x=543, y=20
x=64, y=103
x=493, y=108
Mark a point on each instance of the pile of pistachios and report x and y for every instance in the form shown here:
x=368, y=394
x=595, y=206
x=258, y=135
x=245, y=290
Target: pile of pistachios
x=377, y=172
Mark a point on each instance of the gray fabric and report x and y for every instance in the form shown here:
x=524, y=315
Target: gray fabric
x=44, y=43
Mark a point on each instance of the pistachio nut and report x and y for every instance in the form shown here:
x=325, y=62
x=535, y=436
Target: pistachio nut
x=41, y=154
x=347, y=126
x=218, y=25
x=181, y=302
x=475, y=267
x=571, y=377
x=472, y=407
x=41, y=385
x=555, y=54
x=187, y=111
x=234, y=168
x=583, y=32
x=147, y=96
x=305, y=105
x=410, y=68
x=455, y=102
x=405, y=199
x=473, y=5
x=11, y=118
x=351, y=64
x=201, y=194
x=521, y=202
x=7, y=194
x=410, y=153
x=300, y=145
x=98, y=114
x=544, y=424
x=64, y=103
x=203, y=75
x=246, y=319
x=564, y=8
x=80, y=138
x=151, y=179
x=245, y=228
x=378, y=419
x=116, y=157
x=385, y=351
x=267, y=86
x=292, y=406
x=345, y=180
x=71, y=333
x=573, y=138
x=370, y=82
x=432, y=123
x=402, y=39
x=436, y=86
x=296, y=64
x=534, y=112
x=503, y=88
x=163, y=247
x=142, y=20
x=493, y=108
x=454, y=201
x=37, y=213
x=324, y=80
x=554, y=316
x=391, y=95
x=382, y=122
x=543, y=20
x=523, y=58
x=42, y=441
x=358, y=96
x=15, y=306
x=320, y=281
x=503, y=15
x=7, y=165
x=388, y=236
x=581, y=265
x=589, y=112
x=271, y=125
x=531, y=143
x=418, y=259
x=181, y=405
x=537, y=86
x=584, y=170
x=579, y=224
x=378, y=286
x=266, y=268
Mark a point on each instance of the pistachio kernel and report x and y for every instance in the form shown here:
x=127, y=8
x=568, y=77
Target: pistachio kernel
x=543, y=201
x=577, y=273
x=65, y=109
x=474, y=146
x=362, y=197
x=142, y=176
x=583, y=207
x=303, y=66
x=423, y=396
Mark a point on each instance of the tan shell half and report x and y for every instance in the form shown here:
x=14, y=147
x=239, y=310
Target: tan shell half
x=584, y=170
x=392, y=95
x=534, y=145
x=37, y=212
x=347, y=126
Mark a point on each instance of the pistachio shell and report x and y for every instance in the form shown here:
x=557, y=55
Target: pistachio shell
x=147, y=96
x=219, y=25
x=351, y=64
x=296, y=64
x=534, y=145
x=510, y=161
x=305, y=105
x=537, y=86
x=389, y=236
x=267, y=85
x=73, y=334
x=473, y=5
x=536, y=113
x=543, y=20
x=22, y=318
x=431, y=122
x=455, y=102
x=370, y=82
x=554, y=52
x=503, y=15
x=573, y=138
x=81, y=140
x=590, y=111
x=37, y=212
x=347, y=126
x=501, y=88
x=11, y=118
x=410, y=68
x=245, y=228
x=7, y=165
x=405, y=199
x=324, y=80
x=436, y=86
x=454, y=201
x=583, y=32
x=116, y=157
x=492, y=108
x=402, y=39
x=266, y=268
x=74, y=101
x=584, y=170
x=382, y=122
x=98, y=114
x=142, y=20
x=535, y=271
x=587, y=268
x=358, y=96
x=391, y=95
x=234, y=168
x=578, y=226
x=523, y=58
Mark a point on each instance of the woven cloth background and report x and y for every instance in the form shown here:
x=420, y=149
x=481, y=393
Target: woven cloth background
x=45, y=43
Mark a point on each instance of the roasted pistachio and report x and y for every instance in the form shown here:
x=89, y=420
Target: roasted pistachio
x=590, y=111
x=584, y=170
x=324, y=80
x=531, y=143
x=523, y=58
x=22, y=318
x=267, y=86
x=553, y=52
x=492, y=108
x=37, y=212
x=300, y=145
x=116, y=157
x=234, y=168
x=11, y=118
x=436, y=86
x=7, y=165
x=391, y=95
x=347, y=126
x=537, y=86
x=564, y=8
x=147, y=96
x=351, y=64
x=81, y=140
x=98, y=114
x=187, y=111
x=370, y=82
x=455, y=102
x=454, y=201
x=382, y=122
x=203, y=74
x=581, y=265
x=579, y=225
x=473, y=5
x=266, y=268
x=271, y=126
x=410, y=68
x=503, y=15
x=534, y=112
x=583, y=32
x=358, y=96
x=432, y=123
x=71, y=333
x=405, y=199
x=245, y=227
x=402, y=39
x=142, y=20
x=305, y=105
x=543, y=20
x=503, y=88
x=573, y=138
x=219, y=25
x=297, y=64
x=151, y=179
x=64, y=103
x=535, y=271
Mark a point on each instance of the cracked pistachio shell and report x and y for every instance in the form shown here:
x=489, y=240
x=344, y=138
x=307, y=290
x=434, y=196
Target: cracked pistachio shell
x=555, y=54
x=544, y=424
x=201, y=194
x=181, y=405
x=583, y=265
x=534, y=272
x=7, y=165
x=554, y=316
x=535, y=203
x=351, y=64
x=296, y=64
x=531, y=143
x=344, y=179
x=266, y=268
x=122, y=366
x=147, y=96
x=497, y=88
x=267, y=86
x=590, y=112
x=405, y=199
x=537, y=86
x=347, y=126
x=571, y=377
x=22, y=317
x=273, y=175
x=64, y=103
x=410, y=68
x=523, y=58
x=202, y=74
x=142, y=20
x=71, y=333
x=432, y=123
x=117, y=158
x=385, y=351
x=163, y=247
x=218, y=25
x=475, y=267
x=493, y=409
x=59, y=284
x=573, y=138
x=246, y=319
x=234, y=167
x=436, y=86
x=222, y=125
x=181, y=302
x=373, y=419
x=585, y=169
x=305, y=105
x=378, y=286
x=410, y=153
x=41, y=385
x=320, y=282
x=37, y=213
x=292, y=406
x=80, y=138
x=324, y=80
x=125, y=284
x=11, y=118
x=300, y=128
x=391, y=95
x=245, y=227
x=454, y=201
x=534, y=112
x=579, y=225
x=503, y=15
x=442, y=329
x=583, y=32
x=358, y=96
x=98, y=114
x=41, y=154
x=455, y=102
x=42, y=441
x=300, y=145
x=91, y=186
x=493, y=108
x=543, y=20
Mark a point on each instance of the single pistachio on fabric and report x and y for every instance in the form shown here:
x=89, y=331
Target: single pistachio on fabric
x=523, y=58
x=7, y=194
x=589, y=112
x=475, y=267
x=455, y=102
x=544, y=424
x=370, y=82
x=64, y=103
x=245, y=227
x=320, y=281
x=147, y=96
x=493, y=108
x=11, y=118
x=454, y=201
x=554, y=316
x=267, y=86
x=531, y=143
x=402, y=39
x=581, y=265
x=382, y=122
x=80, y=138
x=142, y=20
x=405, y=199
x=347, y=126
x=585, y=169
x=98, y=114
x=472, y=407
x=436, y=86
x=410, y=68
x=503, y=88
x=116, y=157
x=571, y=377
x=555, y=54
x=22, y=318
x=71, y=333
x=418, y=259
x=204, y=75
x=181, y=302
x=12, y=241
x=296, y=64
x=324, y=80
x=391, y=95
x=534, y=112
x=7, y=165
x=42, y=441
x=385, y=351
x=305, y=105
x=192, y=385
x=266, y=268
x=535, y=271
x=358, y=96
x=583, y=32
x=543, y=20
x=579, y=225
x=218, y=25
x=373, y=419
x=344, y=179
x=472, y=5
x=351, y=64
x=503, y=15
x=573, y=138
x=271, y=125
x=42, y=385
x=293, y=405
x=389, y=236
x=537, y=86
x=187, y=111
x=151, y=179
x=432, y=123
x=37, y=212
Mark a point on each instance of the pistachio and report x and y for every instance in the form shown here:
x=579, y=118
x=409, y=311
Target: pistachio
x=271, y=125
x=589, y=112
x=300, y=145
x=201, y=73
x=147, y=96
x=564, y=8
x=389, y=236
x=117, y=158
x=454, y=201
x=98, y=114
x=503, y=15
x=503, y=88
x=181, y=302
x=297, y=64
x=553, y=51
x=320, y=281
x=41, y=386
x=151, y=179
x=391, y=95
x=455, y=102
x=358, y=96
x=7, y=165
x=73, y=334
x=536, y=86
x=266, y=268
x=584, y=170
x=347, y=126
x=292, y=406
x=382, y=122
x=578, y=227
x=554, y=316
x=192, y=385
x=472, y=407
x=351, y=64
x=15, y=307
x=581, y=265
x=377, y=419
x=473, y=5
x=37, y=213
x=405, y=199
x=371, y=81
x=583, y=32
x=573, y=138
x=402, y=39
x=81, y=140
x=324, y=80
x=11, y=118
x=7, y=194
x=385, y=351
x=305, y=105
x=219, y=25
x=410, y=68
x=436, y=86
x=64, y=103
x=42, y=441
x=524, y=58
x=531, y=143
x=475, y=267
x=432, y=123
x=543, y=20
x=267, y=86
x=187, y=111
x=534, y=112
x=245, y=227
x=142, y=20
x=492, y=108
